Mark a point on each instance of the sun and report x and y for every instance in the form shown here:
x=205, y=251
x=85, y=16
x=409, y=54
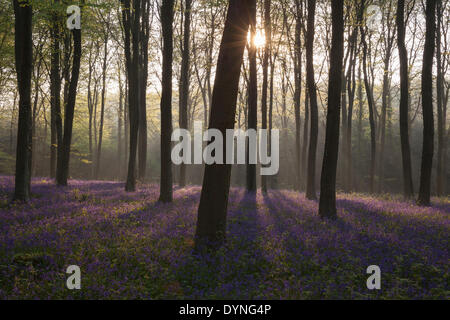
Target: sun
x=260, y=38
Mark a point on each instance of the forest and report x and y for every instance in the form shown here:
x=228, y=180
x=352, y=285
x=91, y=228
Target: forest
x=339, y=160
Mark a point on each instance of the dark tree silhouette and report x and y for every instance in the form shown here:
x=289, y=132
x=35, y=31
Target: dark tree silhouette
x=62, y=169
x=427, y=104
x=370, y=98
x=184, y=81
x=314, y=113
x=55, y=90
x=252, y=98
x=327, y=204
x=408, y=188
x=166, y=101
x=143, y=63
x=23, y=44
x=130, y=20
x=212, y=212
x=298, y=53
x=441, y=105
x=265, y=83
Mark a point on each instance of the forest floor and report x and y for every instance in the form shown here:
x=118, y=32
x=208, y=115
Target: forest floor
x=130, y=246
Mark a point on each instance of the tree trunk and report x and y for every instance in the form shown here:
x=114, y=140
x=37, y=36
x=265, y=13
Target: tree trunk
x=102, y=108
x=370, y=101
x=427, y=104
x=252, y=98
x=184, y=81
x=144, y=38
x=441, y=114
x=314, y=123
x=327, y=204
x=62, y=171
x=212, y=212
x=267, y=53
x=55, y=90
x=408, y=188
x=298, y=93
x=166, y=102
x=23, y=54
x=131, y=28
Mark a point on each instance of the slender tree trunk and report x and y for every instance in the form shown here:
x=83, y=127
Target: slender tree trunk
x=62, y=171
x=427, y=104
x=55, y=90
x=212, y=212
x=360, y=115
x=267, y=53
x=166, y=102
x=131, y=29
x=441, y=119
x=298, y=93
x=184, y=81
x=102, y=108
x=144, y=38
x=327, y=204
x=370, y=101
x=305, y=141
x=119, y=125
x=252, y=98
x=314, y=123
x=23, y=54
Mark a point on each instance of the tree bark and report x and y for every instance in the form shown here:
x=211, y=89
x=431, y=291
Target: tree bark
x=267, y=53
x=370, y=100
x=408, y=188
x=314, y=115
x=427, y=104
x=184, y=81
x=55, y=90
x=166, y=102
x=327, y=203
x=298, y=92
x=252, y=98
x=212, y=212
x=23, y=54
x=131, y=30
x=144, y=38
x=441, y=114
x=102, y=105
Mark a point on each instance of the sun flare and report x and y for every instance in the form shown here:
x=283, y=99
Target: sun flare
x=260, y=38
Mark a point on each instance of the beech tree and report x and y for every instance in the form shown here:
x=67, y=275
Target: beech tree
x=166, y=101
x=212, y=212
x=327, y=203
x=23, y=46
x=427, y=104
x=312, y=95
x=408, y=189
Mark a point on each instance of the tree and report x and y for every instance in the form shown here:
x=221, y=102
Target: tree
x=252, y=98
x=298, y=53
x=143, y=62
x=166, y=101
x=23, y=44
x=55, y=89
x=212, y=212
x=441, y=99
x=62, y=169
x=327, y=203
x=265, y=84
x=427, y=104
x=370, y=98
x=408, y=188
x=184, y=81
x=130, y=20
x=314, y=114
